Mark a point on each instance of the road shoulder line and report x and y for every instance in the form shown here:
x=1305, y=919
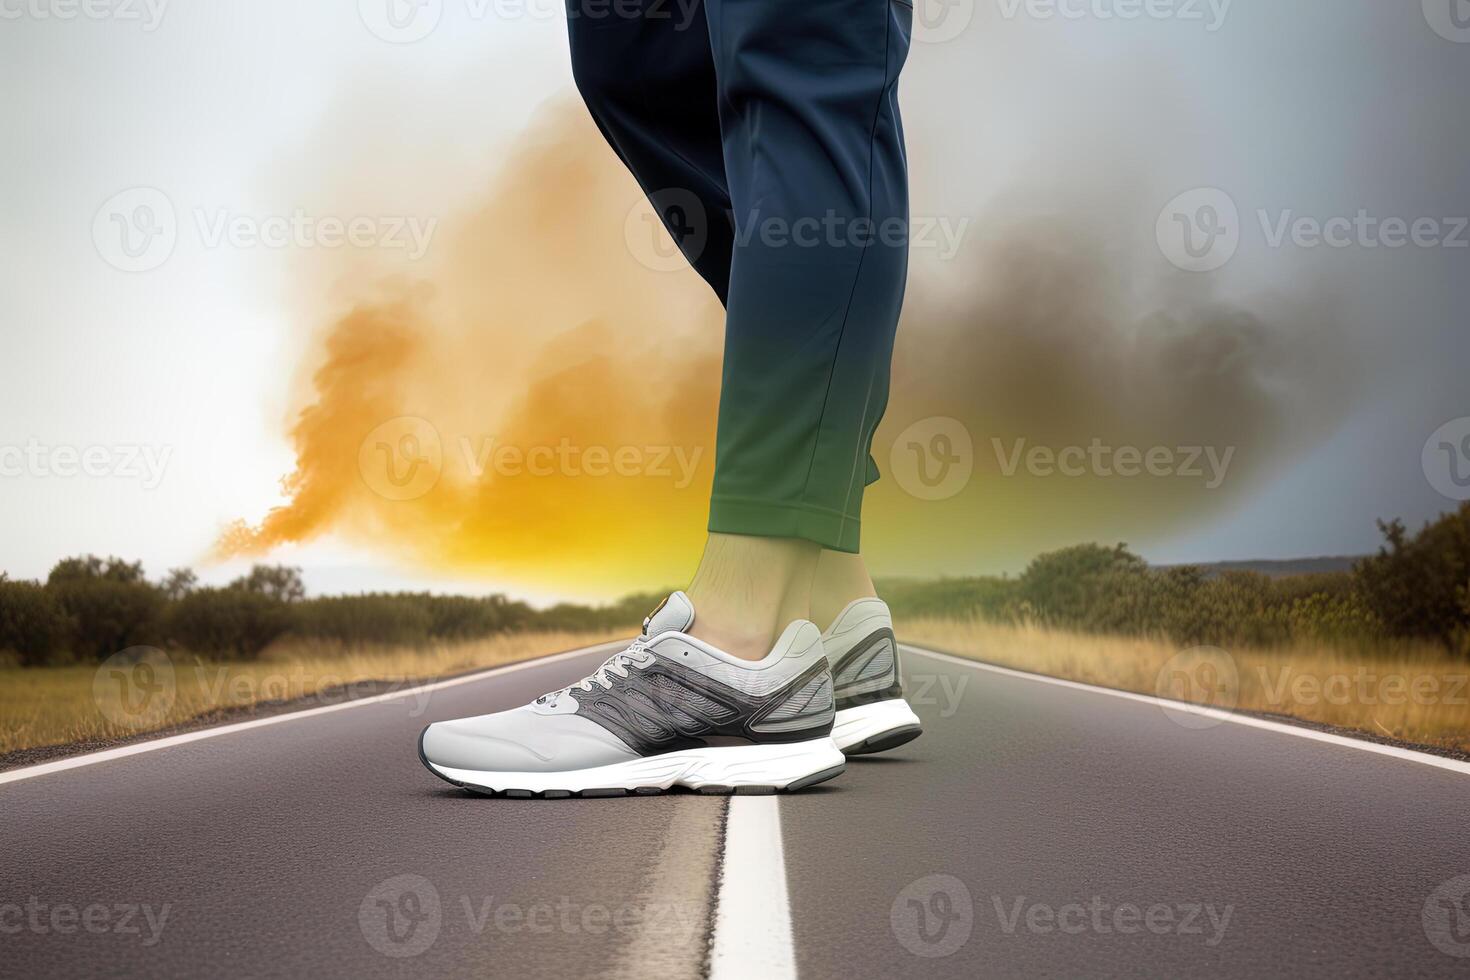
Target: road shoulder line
x=1215, y=714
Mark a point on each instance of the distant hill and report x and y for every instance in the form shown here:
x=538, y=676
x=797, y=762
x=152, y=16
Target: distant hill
x=1279, y=568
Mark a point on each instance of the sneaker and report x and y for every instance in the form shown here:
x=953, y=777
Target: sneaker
x=670, y=710
x=872, y=715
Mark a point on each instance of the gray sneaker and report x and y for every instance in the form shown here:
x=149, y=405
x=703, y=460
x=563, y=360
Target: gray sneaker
x=872, y=715
x=669, y=710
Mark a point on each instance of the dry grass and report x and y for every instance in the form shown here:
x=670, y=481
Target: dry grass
x=1408, y=691
x=59, y=705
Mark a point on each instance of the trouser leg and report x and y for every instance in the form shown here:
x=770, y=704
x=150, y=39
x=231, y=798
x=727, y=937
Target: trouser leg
x=814, y=160
x=772, y=148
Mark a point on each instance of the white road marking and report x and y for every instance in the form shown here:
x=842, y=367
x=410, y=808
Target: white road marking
x=752, y=936
x=1393, y=751
x=137, y=748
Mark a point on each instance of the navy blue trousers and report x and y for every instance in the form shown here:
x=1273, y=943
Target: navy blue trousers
x=766, y=134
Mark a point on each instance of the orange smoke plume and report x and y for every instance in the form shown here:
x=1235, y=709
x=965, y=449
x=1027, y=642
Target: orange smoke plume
x=537, y=401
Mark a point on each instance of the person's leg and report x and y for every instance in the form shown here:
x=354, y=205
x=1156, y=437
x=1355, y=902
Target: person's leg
x=840, y=578
x=748, y=588
x=655, y=91
x=815, y=163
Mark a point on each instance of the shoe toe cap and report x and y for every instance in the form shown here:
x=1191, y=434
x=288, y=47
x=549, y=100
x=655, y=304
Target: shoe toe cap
x=519, y=741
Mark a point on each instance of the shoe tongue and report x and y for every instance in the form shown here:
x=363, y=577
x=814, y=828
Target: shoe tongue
x=674, y=614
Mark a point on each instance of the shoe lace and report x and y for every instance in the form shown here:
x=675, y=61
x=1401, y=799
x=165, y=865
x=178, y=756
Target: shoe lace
x=636, y=655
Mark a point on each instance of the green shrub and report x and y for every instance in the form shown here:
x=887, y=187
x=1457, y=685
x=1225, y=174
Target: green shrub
x=33, y=624
x=228, y=622
x=110, y=603
x=1074, y=586
x=1418, y=585
x=377, y=618
x=986, y=597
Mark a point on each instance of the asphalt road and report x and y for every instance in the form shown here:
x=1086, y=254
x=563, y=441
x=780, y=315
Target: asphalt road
x=1034, y=830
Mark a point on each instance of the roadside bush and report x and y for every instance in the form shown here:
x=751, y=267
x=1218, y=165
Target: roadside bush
x=110, y=603
x=377, y=618
x=986, y=597
x=472, y=617
x=1087, y=587
x=1420, y=586
x=33, y=625
x=228, y=622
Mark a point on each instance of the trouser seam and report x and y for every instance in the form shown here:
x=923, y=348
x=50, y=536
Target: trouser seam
x=852, y=292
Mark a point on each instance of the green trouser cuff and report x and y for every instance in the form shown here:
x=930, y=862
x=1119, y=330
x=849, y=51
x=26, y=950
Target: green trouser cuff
x=767, y=519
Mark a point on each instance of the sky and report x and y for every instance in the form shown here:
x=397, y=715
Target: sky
x=148, y=398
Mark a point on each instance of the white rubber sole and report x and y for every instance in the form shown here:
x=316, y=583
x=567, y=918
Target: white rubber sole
x=875, y=727
x=725, y=769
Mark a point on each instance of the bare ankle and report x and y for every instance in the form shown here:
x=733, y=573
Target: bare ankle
x=840, y=579
x=747, y=590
